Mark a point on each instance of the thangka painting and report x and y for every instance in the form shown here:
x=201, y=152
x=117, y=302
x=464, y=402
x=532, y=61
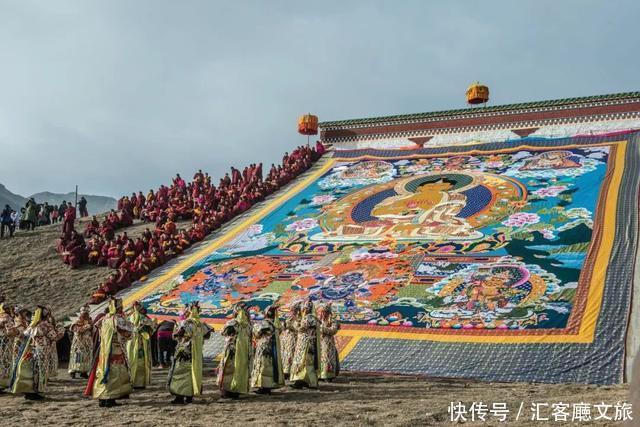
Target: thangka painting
x=495, y=243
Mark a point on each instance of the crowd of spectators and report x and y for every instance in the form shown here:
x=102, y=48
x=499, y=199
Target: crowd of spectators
x=204, y=204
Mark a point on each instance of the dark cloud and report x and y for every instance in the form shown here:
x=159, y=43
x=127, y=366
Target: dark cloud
x=119, y=95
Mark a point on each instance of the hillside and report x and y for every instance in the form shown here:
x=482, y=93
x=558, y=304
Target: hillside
x=31, y=272
x=11, y=199
x=95, y=204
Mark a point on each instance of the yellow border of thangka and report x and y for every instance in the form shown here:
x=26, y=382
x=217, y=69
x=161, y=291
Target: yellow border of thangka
x=596, y=287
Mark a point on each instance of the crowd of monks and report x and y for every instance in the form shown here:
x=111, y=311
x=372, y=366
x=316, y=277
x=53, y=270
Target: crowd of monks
x=113, y=351
x=206, y=205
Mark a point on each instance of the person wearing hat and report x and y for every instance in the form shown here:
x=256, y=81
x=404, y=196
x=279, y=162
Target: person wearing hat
x=109, y=379
x=288, y=337
x=185, y=375
x=81, y=354
x=267, y=362
x=306, y=358
x=329, y=326
x=233, y=370
x=32, y=367
x=139, y=347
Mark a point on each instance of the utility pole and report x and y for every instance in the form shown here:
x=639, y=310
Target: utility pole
x=75, y=205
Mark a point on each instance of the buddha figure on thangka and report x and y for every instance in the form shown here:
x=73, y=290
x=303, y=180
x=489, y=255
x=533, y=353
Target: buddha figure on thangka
x=471, y=241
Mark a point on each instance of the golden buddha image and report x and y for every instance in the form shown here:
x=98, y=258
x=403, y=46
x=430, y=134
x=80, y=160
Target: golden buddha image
x=434, y=206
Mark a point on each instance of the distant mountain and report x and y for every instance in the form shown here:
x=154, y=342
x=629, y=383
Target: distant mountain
x=95, y=204
x=8, y=198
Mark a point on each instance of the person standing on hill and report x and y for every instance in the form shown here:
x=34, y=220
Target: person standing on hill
x=31, y=214
x=6, y=221
x=82, y=206
x=69, y=220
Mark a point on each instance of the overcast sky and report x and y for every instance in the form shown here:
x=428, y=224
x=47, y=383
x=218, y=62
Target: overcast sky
x=118, y=96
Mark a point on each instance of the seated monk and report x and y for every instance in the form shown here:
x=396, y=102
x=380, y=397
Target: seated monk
x=128, y=265
x=139, y=246
x=123, y=280
x=107, y=230
x=122, y=239
x=94, y=249
x=157, y=257
x=113, y=219
x=129, y=249
x=126, y=218
x=92, y=227
x=74, y=253
x=170, y=227
x=147, y=234
x=105, y=290
x=61, y=243
x=115, y=255
x=142, y=264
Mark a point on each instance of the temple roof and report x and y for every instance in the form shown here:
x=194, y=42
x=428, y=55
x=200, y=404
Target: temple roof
x=556, y=104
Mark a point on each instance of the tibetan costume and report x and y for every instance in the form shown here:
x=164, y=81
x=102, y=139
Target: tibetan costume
x=329, y=363
x=139, y=348
x=306, y=360
x=81, y=354
x=185, y=375
x=110, y=378
x=233, y=370
x=32, y=367
x=267, y=374
x=288, y=338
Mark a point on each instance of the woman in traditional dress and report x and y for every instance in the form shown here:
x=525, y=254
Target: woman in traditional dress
x=109, y=379
x=329, y=326
x=233, y=370
x=32, y=368
x=288, y=338
x=7, y=334
x=305, y=363
x=81, y=354
x=185, y=375
x=267, y=374
x=139, y=347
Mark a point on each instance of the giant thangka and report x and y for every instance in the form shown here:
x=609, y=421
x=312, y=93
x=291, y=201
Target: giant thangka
x=500, y=261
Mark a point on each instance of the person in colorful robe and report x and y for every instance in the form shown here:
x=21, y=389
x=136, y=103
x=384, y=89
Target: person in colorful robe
x=233, y=370
x=304, y=368
x=109, y=379
x=329, y=326
x=52, y=365
x=185, y=375
x=31, y=370
x=139, y=347
x=7, y=333
x=20, y=323
x=81, y=354
x=288, y=338
x=267, y=374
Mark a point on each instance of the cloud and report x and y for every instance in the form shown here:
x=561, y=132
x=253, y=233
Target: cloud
x=119, y=96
